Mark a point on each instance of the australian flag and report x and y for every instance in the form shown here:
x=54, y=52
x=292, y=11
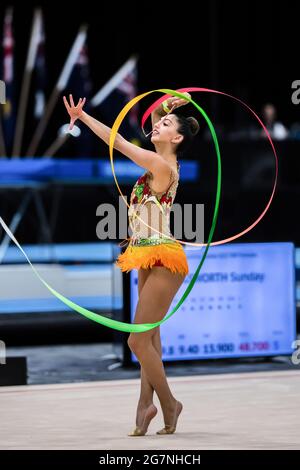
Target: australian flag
x=124, y=91
x=40, y=74
x=80, y=85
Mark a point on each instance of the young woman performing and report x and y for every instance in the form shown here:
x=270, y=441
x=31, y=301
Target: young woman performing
x=159, y=258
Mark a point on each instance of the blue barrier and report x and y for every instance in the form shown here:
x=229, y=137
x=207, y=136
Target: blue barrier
x=87, y=170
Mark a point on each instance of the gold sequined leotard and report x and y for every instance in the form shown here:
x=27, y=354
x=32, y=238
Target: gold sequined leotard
x=154, y=245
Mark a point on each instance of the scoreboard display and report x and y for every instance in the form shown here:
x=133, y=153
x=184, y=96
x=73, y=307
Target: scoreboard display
x=243, y=304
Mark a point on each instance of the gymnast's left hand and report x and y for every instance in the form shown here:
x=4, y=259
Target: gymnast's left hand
x=75, y=112
x=176, y=102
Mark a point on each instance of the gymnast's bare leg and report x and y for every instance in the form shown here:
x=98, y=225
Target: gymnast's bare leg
x=157, y=290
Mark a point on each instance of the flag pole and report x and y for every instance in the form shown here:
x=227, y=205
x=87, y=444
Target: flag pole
x=56, y=144
x=103, y=93
x=60, y=85
x=98, y=98
x=31, y=58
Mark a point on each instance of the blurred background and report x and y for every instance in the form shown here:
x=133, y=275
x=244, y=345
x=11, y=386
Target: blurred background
x=52, y=182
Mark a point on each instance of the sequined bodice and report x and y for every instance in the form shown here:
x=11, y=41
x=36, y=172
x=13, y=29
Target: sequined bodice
x=152, y=207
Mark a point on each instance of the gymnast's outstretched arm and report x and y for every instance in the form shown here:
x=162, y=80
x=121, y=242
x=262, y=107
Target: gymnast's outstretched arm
x=144, y=158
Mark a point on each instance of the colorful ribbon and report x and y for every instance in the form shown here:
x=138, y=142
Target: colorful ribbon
x=114, y=324
x=136, y=328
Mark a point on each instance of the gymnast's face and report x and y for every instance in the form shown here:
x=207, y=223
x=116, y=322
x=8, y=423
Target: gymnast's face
x=166, y=131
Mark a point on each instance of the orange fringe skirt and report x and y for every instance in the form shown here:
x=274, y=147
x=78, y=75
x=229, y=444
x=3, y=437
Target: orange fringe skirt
x=170, y=255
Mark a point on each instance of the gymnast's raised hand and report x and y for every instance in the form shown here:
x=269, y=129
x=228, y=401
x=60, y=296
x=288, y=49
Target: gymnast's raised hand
x=175, y=102
x=75, y=112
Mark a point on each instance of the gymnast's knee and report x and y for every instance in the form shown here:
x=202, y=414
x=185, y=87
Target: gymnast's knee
x=136, y=342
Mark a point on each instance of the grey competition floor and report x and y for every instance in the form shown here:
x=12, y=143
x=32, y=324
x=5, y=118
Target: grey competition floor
x=93, y=362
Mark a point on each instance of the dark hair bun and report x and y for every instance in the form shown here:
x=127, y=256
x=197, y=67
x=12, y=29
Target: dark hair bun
x=193, y=125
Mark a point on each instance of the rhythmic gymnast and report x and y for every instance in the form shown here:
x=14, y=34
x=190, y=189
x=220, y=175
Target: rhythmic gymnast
x=160, y=259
